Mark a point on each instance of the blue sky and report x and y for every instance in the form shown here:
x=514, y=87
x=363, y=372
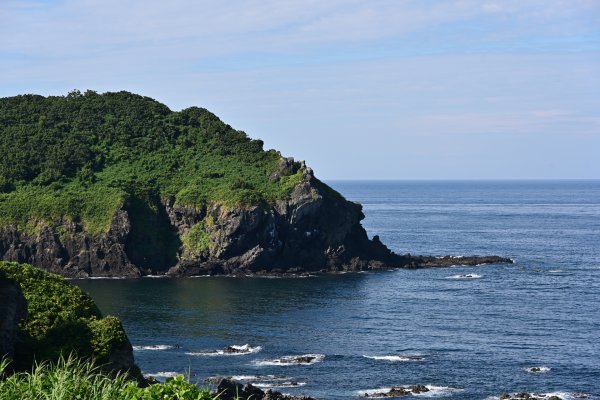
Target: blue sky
x=374, y=89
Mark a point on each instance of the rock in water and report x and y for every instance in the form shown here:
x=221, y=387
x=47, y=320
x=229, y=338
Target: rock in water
x=399, y=391
x=231, y=390
x=530, y=396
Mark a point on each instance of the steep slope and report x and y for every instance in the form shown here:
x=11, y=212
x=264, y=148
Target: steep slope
x=119, y=185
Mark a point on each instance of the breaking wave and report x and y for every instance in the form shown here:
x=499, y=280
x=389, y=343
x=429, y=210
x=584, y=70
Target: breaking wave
x=168, y=374
x=233, y=350
x=538, y=370
x=465, y=276
x=397, y=358
x=432, y=391
x=155, y=347
x=305, y=359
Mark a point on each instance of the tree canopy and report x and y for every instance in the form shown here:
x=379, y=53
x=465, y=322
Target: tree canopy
x=81, y=155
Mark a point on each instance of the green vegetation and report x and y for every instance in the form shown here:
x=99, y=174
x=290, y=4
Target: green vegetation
x=197, y=240
x=178, y=388
x=83, y=156
x=62, y=319
x=73, y=378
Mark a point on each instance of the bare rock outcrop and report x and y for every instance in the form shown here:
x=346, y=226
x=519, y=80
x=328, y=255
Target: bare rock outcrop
x=13, y=309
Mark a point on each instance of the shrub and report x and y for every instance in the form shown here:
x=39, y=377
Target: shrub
x=62, y=319
x=178, y=388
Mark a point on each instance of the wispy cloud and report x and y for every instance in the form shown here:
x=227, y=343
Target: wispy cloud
x=337, y=72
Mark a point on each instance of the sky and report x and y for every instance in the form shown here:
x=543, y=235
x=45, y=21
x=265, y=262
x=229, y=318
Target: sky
x=399, y=89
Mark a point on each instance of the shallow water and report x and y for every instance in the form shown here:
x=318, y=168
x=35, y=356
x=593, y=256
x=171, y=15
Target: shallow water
x=468, y=332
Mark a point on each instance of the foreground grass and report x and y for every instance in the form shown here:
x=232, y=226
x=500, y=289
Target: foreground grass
x=75, y=379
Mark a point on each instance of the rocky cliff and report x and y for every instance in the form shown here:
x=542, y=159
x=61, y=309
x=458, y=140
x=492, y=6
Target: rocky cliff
x=119, y=185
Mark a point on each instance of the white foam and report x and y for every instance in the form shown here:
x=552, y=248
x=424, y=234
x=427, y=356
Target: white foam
x=104, y=277
x=439, y=391
x=155, y=347
x=289, y=384
x=371, y=392
x=464, y=276
x=555, y=271
x=397, y=358
x=240, y=351
x=434, y=391
x=545, y=396
x=538, y=370
x=169, y=374
x=291, y=360
x=568, y=395
x=155, y=276
x=258, y=378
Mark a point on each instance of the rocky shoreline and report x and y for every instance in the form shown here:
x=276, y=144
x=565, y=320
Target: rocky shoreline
x=315, y=230
x=228, y=389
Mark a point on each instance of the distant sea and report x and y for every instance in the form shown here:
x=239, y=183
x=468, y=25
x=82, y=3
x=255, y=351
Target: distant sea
x=466, y=332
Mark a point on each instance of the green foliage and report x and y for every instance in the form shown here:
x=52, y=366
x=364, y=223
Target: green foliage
x=107, y=334
x=197, y=239
x=178, y=388
x=29, y=205
x=76, y=379
x=61, y=318
x=82, y=156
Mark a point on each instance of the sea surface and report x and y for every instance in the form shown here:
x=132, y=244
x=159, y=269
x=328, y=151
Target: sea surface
x=466, y=332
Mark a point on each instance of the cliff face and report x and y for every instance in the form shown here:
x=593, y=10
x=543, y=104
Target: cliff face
x=316, y=229
x=74, y=252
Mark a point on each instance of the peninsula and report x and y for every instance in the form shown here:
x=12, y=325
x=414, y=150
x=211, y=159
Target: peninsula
x=118, y=185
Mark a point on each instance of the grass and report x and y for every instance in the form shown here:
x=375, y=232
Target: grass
x=72, y=378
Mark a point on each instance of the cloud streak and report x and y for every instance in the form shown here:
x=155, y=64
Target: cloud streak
x=321, y=79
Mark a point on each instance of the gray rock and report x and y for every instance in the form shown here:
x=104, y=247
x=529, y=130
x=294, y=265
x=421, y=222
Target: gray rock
x=231, y=390
x=13, y=309
x=399, y=391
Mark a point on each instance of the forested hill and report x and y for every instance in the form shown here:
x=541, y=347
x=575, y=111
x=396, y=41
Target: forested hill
x=84, y=153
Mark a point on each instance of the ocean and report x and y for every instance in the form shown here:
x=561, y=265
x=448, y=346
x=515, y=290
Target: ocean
x=464, y=332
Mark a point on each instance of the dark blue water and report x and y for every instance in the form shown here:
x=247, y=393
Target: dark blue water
x=475, y=337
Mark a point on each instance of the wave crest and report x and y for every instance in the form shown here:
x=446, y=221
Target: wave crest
x=397, y=358
x=155, y=347
x=305, y=359
x=233, y=350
